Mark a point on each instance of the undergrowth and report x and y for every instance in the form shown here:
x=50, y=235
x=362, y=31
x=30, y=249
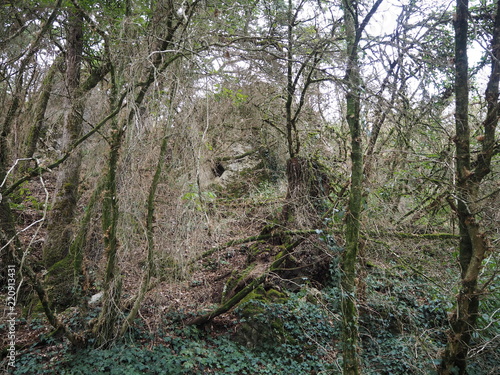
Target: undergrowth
x=403, y=324
x=189, y=350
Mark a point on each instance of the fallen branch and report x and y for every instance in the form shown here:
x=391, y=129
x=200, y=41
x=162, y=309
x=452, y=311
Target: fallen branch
x=238, y=297
x=225, y=307
x=428, y=236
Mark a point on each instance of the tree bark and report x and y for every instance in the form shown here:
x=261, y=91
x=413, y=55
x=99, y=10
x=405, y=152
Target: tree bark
x=353, y=82
x=349, y=257
x=66, y=196
x=474, y=244
x=105, y=329
x=40, y=109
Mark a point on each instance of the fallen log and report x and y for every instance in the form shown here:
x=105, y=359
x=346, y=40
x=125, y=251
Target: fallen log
x=238, y=297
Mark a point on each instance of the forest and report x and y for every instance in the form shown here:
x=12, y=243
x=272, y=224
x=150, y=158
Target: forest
x=250, y=187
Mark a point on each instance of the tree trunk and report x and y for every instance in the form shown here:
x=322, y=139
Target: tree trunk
x=65, y=199
x=60, y=219
x=473, y=243
x=105, y=328
x=308, y=188
x=349, y=257
x=291, y=131
x=8, y=238
x=39, y=112
x=353, y=82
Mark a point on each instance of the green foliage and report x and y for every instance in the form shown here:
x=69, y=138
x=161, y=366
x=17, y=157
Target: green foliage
x=197, y=199
x=402, y=326
x=236, y=97
x=296, y=323
x=409, y=324
x=485, y=341
x=191, y=351
x=23, y=198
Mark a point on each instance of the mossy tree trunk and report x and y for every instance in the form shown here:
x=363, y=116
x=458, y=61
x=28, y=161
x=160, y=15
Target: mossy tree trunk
x=60, y=218
x=291, y=125
x=105, y=329
x=353, y=84
x=349, y=257
x=8, y=238
x=58, y=258
x=228, y=304
x=9, y=243
x=308, y=189
x=64, y=205
x=474, y=244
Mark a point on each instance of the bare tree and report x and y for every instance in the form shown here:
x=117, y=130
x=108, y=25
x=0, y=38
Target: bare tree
x=474, y=242
x=353, y=82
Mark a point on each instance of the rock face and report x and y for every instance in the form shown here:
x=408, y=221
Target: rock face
x=239, y=164
x=95, y=298
x=239, y=158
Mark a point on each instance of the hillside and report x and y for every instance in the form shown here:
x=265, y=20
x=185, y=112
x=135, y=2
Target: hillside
x=250, y=187
x=287, y=324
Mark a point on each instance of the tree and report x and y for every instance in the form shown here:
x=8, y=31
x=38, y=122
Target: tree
x=474, y=244
x=61, y=264
x=63, y=211
x=165, y=51
x=297, y=45
x=353, y=83
x=8, y=238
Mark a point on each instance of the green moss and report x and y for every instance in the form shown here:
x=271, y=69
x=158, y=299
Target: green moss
x=236, y=279
x=253, y=303
x=255, y=250
x=249, y=308
x=276, y=296
x=63, y=281
x=37, y=308
x=281, y=254
x=257, y=327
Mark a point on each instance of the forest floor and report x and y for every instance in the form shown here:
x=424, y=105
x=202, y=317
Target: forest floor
x=407, y=284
